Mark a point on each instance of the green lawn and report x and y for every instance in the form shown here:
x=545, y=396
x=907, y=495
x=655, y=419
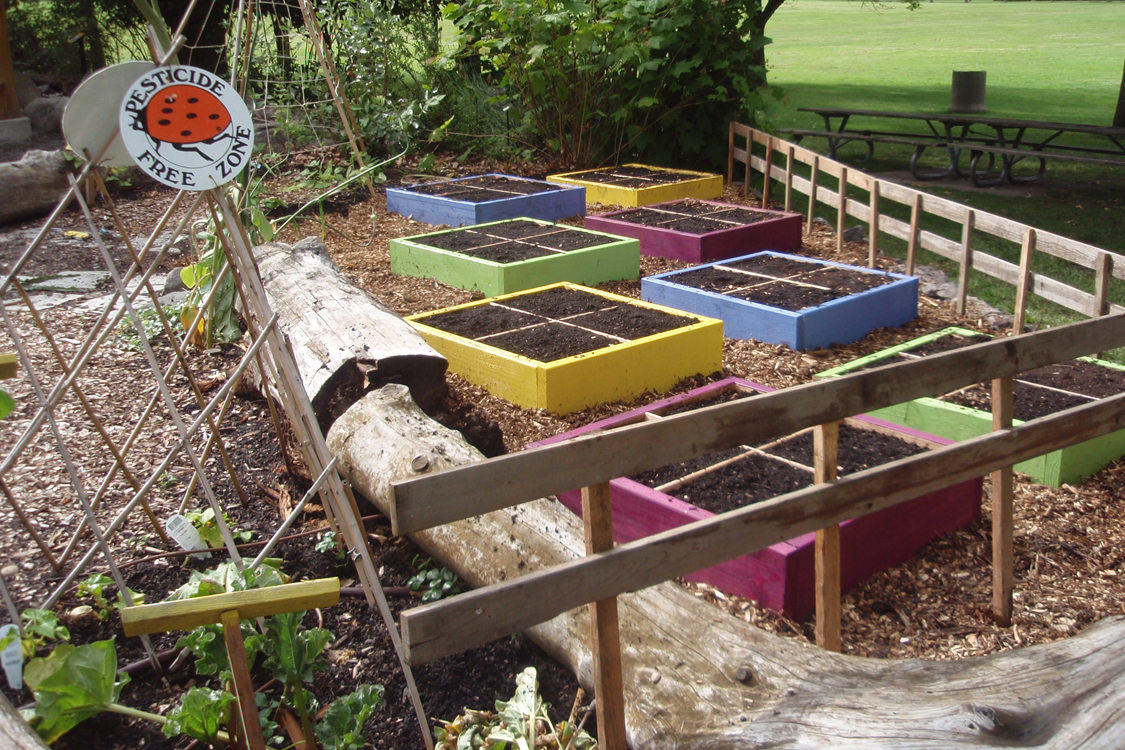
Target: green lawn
x=1044, y=61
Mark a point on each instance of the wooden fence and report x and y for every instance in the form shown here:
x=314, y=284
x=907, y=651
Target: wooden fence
x=492, y=612
x=756, y=149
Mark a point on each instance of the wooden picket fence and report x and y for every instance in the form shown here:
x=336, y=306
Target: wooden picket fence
x=799, y=169
x=590, y=462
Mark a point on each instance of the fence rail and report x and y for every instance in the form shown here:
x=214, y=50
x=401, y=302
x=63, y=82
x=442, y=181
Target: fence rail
x=755, y=149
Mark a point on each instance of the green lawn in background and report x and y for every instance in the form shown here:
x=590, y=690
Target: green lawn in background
x=1044, y=61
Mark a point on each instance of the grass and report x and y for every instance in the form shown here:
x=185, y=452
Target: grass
x=1044, y=61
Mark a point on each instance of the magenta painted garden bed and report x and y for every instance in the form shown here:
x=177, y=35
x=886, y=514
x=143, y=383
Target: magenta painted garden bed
x=699, y=231
x=780, y=577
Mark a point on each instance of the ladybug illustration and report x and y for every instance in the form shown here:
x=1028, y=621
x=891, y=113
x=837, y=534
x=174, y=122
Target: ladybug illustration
x=185, y=116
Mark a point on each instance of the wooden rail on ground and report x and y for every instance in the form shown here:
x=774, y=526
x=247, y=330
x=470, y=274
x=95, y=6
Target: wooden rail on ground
x=491, y=612
x=755, y=148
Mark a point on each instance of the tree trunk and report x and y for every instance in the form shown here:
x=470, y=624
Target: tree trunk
x=15, y=734
x=32, y=185
x=344, y=340
x=696, y=677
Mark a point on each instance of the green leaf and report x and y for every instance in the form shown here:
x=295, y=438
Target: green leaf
x=202, y=713
x=72, y=684
x=341, y=727
x=7, y=403
x=194, y=275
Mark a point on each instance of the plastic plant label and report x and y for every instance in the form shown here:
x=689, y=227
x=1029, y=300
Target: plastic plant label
x=186, y=535
x=12, y=656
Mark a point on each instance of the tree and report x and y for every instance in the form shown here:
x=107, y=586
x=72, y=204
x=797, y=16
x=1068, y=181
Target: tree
x=1119, y=115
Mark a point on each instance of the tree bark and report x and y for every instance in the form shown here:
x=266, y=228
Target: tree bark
x=344, y=340
x=698, y=678
x=15, y=734
x=32, y=185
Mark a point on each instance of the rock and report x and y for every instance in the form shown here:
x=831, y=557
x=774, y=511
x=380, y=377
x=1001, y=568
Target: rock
x=854, y=234
x=32, y=185
x=46, y=114
x=26, y=90
x=173, y=282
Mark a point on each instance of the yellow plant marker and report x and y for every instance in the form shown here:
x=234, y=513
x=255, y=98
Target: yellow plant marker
x=8, y=365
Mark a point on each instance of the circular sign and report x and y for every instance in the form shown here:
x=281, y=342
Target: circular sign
x=90, y=116
x=186, y=127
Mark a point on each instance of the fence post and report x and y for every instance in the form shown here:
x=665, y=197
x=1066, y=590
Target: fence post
x=912, y=243
x=873, y=229
x=767, y=172
x=812, y=193
x=1003, y=555
x=789, y=154
x=842, y=210
x=609, y=690
x=730, y=153
x=1023, y=285
x=827, y=548
x=966, y=261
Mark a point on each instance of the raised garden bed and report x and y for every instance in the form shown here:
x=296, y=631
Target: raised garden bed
x=967, y=413
x=565, y=347
x=786, y=299
x=780, y=577
x=701, y=231
x=509, y=256
x=640, y=185
x=483, y=198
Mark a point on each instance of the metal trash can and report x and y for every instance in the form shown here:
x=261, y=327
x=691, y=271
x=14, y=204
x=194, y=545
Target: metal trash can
x=968, y=91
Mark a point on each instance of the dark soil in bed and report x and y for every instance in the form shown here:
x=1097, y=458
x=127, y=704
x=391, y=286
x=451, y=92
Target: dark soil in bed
x=753, y=475
x=1035, y=393
x=484, y=188
x=511, y=241
x=780, y=282
x=635, y=177
x=556, y=323
x=694, y=216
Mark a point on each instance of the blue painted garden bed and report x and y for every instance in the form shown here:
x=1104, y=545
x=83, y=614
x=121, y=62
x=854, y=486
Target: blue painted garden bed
x=485, y=198
x=803, y=303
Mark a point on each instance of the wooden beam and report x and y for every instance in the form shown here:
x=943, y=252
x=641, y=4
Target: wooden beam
x=767, y=173
x=873, y=226
x=526, y=475
x=492, y=612
x=240, y=676
x=826, y=440
x=842, y=209
x=187, y=614
x=812, y=194
x=1023, y=284
x=912, y=242
x=1103, y=270
x=1003, y=492
x=597, y=518
x=789, y=179
x=966, y=261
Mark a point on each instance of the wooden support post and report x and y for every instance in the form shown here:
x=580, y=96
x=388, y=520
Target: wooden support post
x=1003, y=490
x=789, y=178
x=912, y=243
x=1103, y=268
x=9, y=102
x=873, y=228
x=966, y=261
x=230, y=609
x=767, y=173
x=597, y=518
x=812, y=193
x=1023, y=284
x=9, y=364
x=842, y=210
x=240, y=676
x=827, y=548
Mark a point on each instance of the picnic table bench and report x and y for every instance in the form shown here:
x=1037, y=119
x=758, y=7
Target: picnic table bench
x=993, y=145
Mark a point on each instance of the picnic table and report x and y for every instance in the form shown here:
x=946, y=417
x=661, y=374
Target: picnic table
x=993, y=145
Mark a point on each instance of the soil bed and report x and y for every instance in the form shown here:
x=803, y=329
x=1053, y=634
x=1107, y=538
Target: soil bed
x=484, y=188
x=555, y=323
x=635, y=177
x=696, y=217
x=512, y=241
x=782, y=282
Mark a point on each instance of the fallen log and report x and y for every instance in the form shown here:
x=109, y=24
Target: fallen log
x=344, y=340
x=32, y=185
x=696, y=677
